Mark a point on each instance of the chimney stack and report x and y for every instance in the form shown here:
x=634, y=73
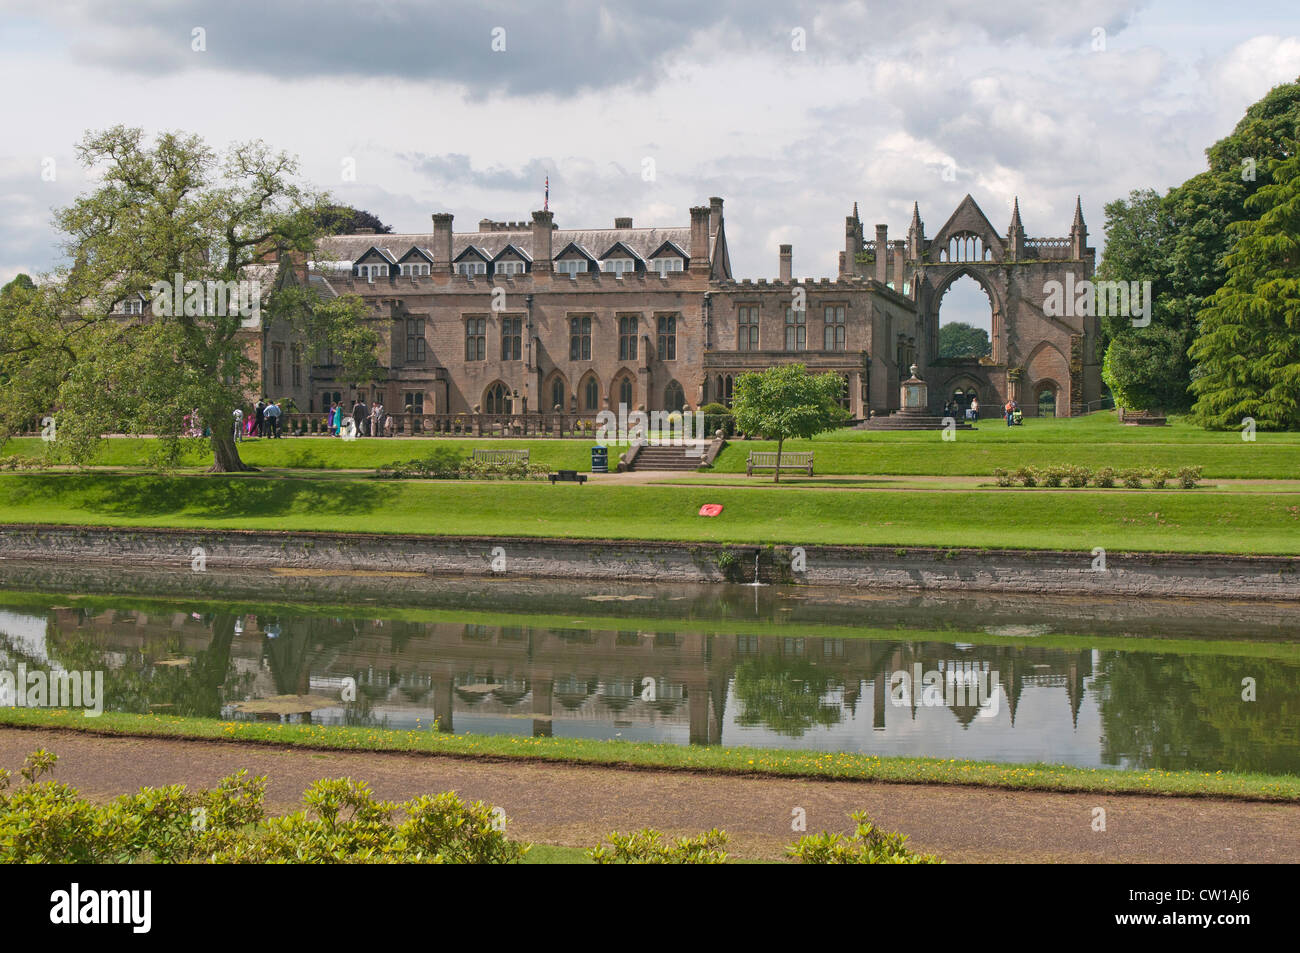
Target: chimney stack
x=441, y=243
x=882, y=253
x=786, y=255
x=623, y=222
x=542, y=228
x=699, y=249
x=899, y=248
x=715, y=214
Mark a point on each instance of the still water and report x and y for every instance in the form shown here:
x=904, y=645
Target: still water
x=1138, y=684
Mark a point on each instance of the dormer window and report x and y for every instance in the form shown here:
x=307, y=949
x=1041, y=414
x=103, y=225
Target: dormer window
x=132, y=306
x=415, y=269
x=619, y=266
x=571, y=267
x=372, y=271
x=471, y=268
x=664, y=265
x=509, y=268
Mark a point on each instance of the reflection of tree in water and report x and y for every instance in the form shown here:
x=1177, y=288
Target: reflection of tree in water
x=1174, y=712
x=141, y=685
x=784, y=695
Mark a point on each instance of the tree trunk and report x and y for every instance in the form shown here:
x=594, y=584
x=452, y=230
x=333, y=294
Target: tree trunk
x=776, y=477
x=225, y=455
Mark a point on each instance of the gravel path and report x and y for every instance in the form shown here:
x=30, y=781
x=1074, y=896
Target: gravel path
x=576, y=806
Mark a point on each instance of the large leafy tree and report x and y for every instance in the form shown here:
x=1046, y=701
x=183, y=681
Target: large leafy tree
x=346, y=220
x=959, y=339
x=162, y=209
x=1179, y=241
x=1248, y=350
x=1139, y=365
x=785, y=402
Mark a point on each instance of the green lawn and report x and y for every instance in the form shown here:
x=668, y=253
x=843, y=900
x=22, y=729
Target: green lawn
x=1199, y=520
x=1093, y=441
x=749, y=761
x=325, y=453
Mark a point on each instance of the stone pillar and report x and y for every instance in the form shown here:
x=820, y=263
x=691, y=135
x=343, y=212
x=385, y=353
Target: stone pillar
x=787, y=266
x=882, y=253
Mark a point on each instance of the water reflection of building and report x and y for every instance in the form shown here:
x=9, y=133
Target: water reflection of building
x=413, y=671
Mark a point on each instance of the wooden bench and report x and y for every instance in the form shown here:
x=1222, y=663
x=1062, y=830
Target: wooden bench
x=766, y=460
x=567, y=476
x=1141, y=418
x=500, y=456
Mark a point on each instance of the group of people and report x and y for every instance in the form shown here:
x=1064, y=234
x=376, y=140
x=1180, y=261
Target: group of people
x=950, y=407
x=262, y=421
x=366, y=421
x=1012, y=413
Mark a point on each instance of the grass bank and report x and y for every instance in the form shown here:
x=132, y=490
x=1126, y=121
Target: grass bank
x=1175, y=521
x=743, y=761
x=1094, y=441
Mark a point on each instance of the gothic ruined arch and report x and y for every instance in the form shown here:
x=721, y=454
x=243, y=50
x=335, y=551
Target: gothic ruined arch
x=1014, y=271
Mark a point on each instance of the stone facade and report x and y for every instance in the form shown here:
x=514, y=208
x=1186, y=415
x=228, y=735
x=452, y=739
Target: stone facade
x=522, y=317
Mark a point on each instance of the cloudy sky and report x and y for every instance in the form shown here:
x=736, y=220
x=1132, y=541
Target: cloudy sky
x=791, y=111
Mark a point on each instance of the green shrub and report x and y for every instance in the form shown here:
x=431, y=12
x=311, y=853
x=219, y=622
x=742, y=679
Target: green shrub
x=649, y=847
x=868, y=845
x=1027, y=476
x=1054, y=476
x=1188, y=477
x=49, y=822
x=1132, y=478
x=1159, y=478
x=1078, y=476
x=1002, y=476
x=1105, y=477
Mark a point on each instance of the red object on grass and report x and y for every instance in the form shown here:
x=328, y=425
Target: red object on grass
x=710, y=509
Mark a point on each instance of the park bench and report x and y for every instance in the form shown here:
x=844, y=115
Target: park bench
x=500, y=456
x=766, y=460
x=1141, y=418
x=567, y=476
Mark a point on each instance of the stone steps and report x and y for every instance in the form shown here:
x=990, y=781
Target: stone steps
x=665, y=458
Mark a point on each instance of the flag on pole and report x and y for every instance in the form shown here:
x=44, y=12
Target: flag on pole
x=546, y=202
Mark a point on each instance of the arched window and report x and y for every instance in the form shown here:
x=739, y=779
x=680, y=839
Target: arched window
x=674, y=399
x=966, y=247
x=591, y=393
x=497, y=401
x=1047, y=402
x=625, y=392
x=557, y=393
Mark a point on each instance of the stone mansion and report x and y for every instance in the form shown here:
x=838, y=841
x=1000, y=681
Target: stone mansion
x=526, y=317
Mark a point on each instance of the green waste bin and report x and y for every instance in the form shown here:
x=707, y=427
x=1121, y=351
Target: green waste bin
x=599, y=459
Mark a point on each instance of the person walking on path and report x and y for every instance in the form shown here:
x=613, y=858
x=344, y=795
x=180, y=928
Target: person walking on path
x=258, y=412
x=974, y=409
x=359, y=414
